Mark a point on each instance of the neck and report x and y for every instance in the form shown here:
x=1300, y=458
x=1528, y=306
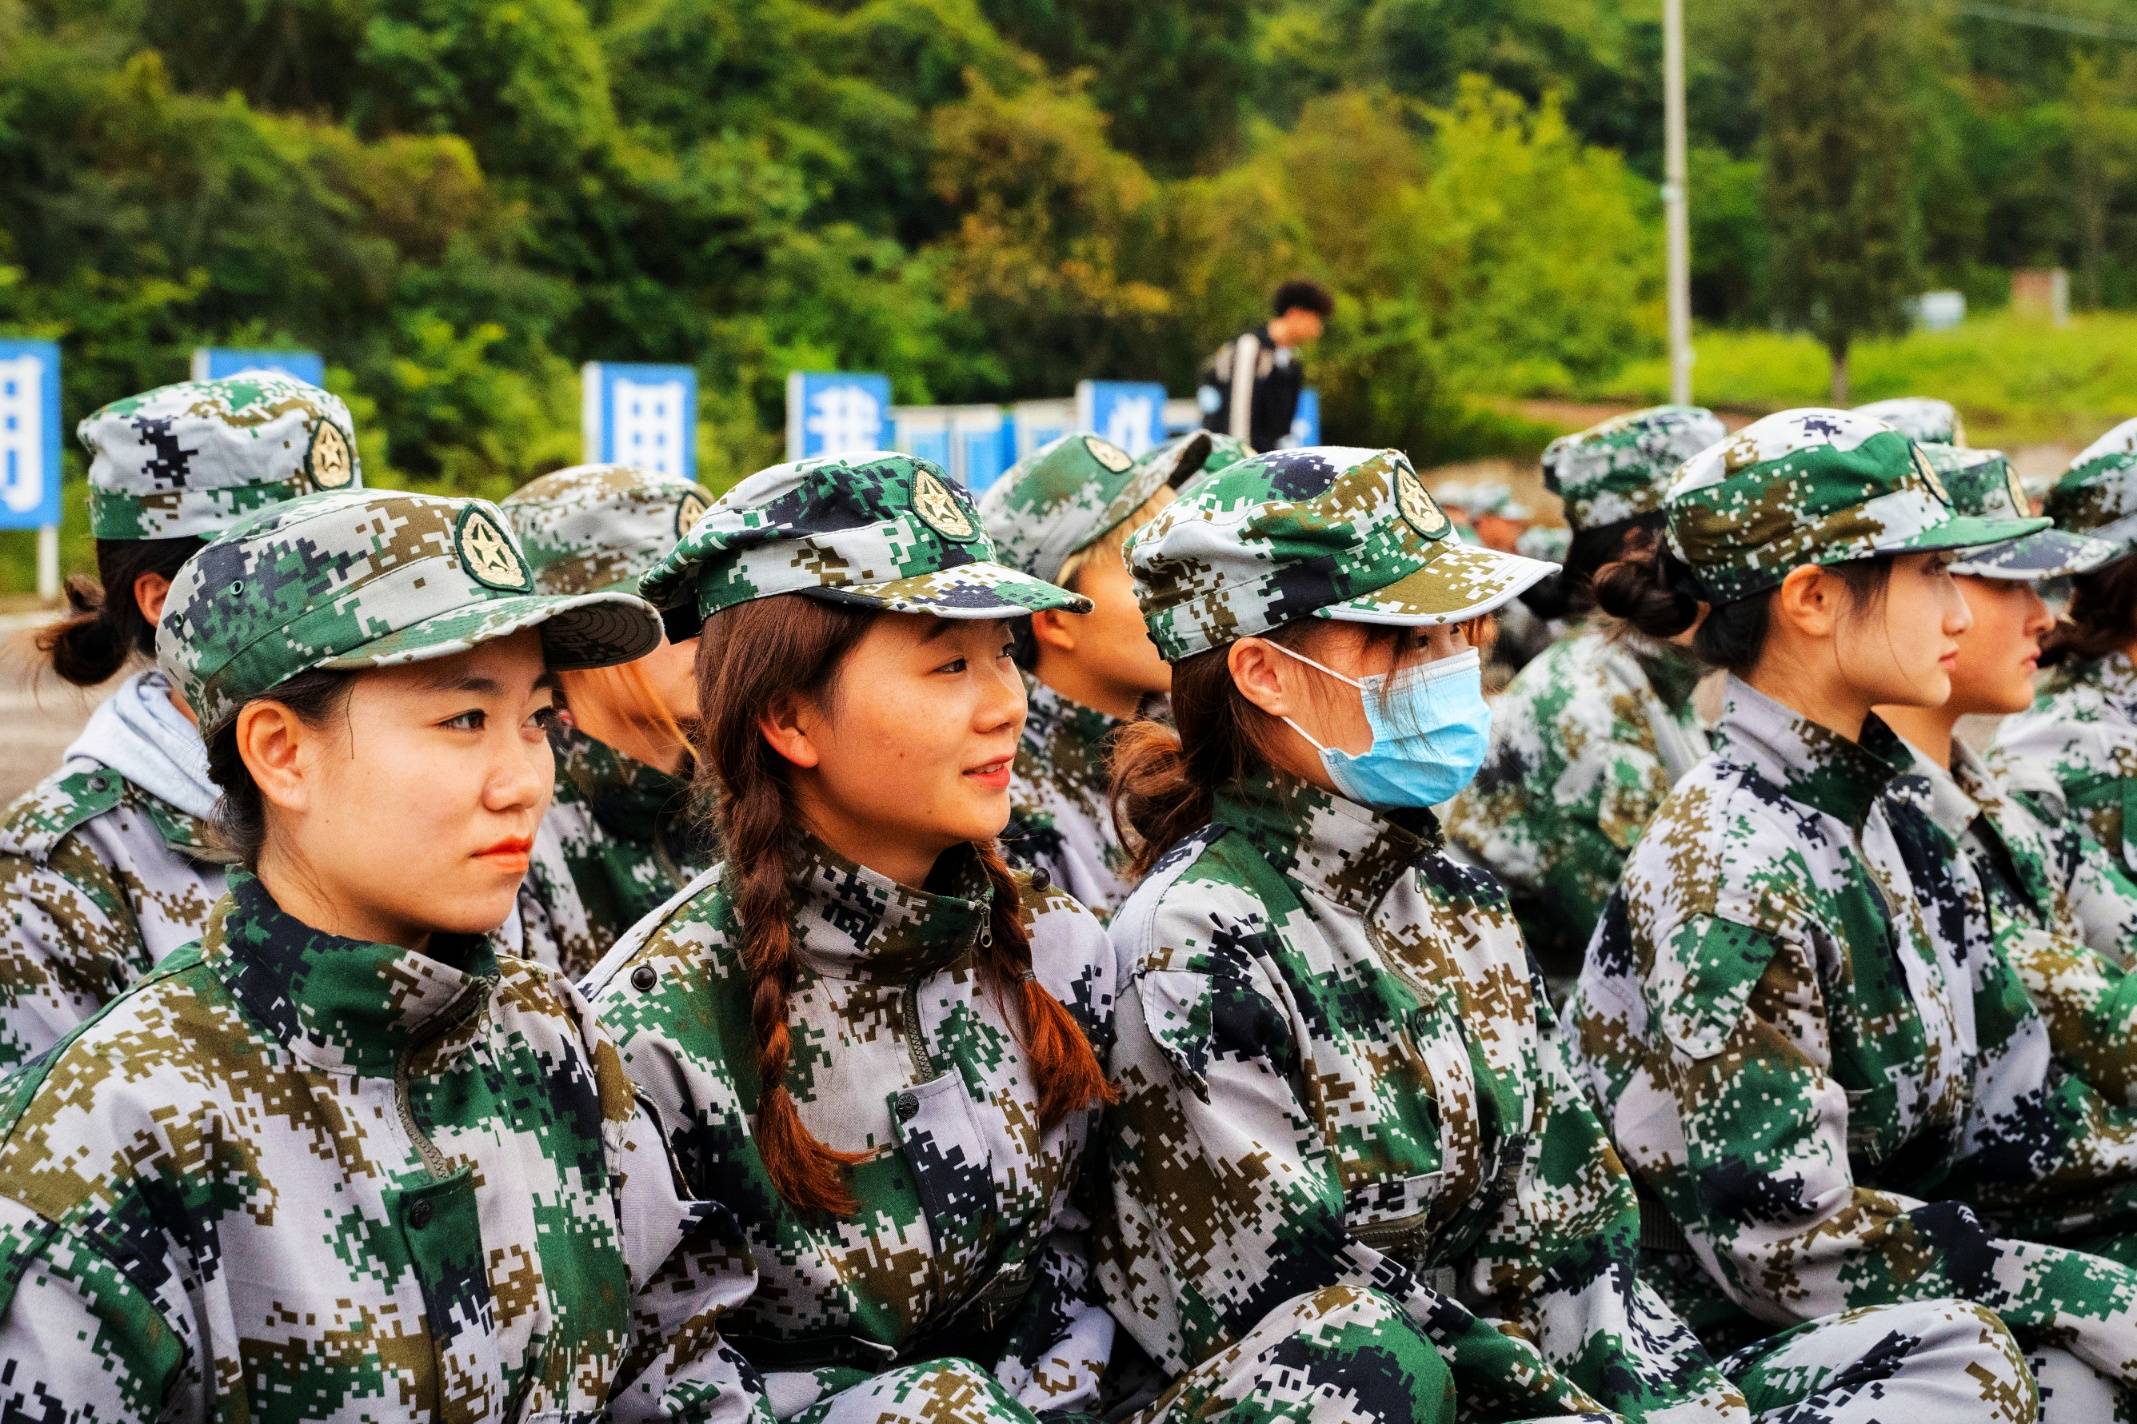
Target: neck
x=1927, y=729
x=1827, y=701
x=290, y=880
x=907, y=861
x=1076, y=683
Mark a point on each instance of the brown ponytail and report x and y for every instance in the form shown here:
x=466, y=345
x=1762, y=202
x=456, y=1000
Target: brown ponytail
x=750, y=656
x=103, y=626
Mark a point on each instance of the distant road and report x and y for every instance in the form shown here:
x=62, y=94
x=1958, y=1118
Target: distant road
x=39, y=714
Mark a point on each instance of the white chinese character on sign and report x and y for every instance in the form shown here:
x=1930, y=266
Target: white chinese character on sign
x=651, y=425
x=846, y=420
x=1128, y=423
x=22, y=436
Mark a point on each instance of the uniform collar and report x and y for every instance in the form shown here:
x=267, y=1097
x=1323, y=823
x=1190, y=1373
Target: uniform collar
x=2115, y=676
x=1953, y=799
x=1049, y=713
x=851, y=923
x=629, y=798
x=1672, y=671
x=1810, y=763
x=1347, y=852
x=340, y=1004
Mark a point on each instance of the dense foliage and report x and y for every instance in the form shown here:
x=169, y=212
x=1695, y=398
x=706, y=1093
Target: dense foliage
x=460, y=200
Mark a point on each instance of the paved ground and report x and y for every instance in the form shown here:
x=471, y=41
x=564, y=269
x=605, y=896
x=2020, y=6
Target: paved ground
x=39, y=714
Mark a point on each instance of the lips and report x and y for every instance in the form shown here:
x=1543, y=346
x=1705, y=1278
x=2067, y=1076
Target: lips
x=994, y=775
x=515, y=851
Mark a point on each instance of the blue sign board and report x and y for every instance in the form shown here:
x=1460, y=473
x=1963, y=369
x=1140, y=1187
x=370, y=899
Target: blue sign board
x=212, y=363
x=1035, y=423
x=986, y=446
x=837, y=413
x=924, y=432
x=632, y=413
x=1131, y=414
x=30, y=434
x=1306, y=420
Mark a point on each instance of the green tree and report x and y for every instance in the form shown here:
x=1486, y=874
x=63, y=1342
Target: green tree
x=1836, y=86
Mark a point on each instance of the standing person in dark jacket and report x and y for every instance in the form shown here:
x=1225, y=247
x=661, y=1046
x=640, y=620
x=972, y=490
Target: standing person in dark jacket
x=1249, y=388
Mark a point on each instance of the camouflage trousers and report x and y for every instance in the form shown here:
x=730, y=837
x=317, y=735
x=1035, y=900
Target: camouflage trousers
x=1917, y=1360
x=1337, y=1356
x=2073, y=1392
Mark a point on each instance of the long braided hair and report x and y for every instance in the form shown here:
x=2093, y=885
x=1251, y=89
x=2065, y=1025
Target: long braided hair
x=788, y=645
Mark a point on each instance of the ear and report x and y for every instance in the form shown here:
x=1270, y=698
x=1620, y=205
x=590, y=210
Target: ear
x=1256, y=672
x=786, y=725
x=1054, y=629
x=1810, y=600
x=274, y=744
x=149, y=592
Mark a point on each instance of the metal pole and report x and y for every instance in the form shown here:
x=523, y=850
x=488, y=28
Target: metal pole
x=48, y=562
x=1674, y=209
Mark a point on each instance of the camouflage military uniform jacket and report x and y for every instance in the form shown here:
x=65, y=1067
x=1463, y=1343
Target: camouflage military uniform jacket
x=101, y=879
x=1331, y=1073
x=292, y=1176
x=967, y=1241
x=1585, y=746
x=617, y=843
x=1059, y=818
x=2076, y=749
x=1817, y=1097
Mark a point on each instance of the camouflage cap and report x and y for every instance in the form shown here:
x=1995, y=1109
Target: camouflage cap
x=1549, y=542
x=2097, y=495
x=1325, y=531
x=1983, y=485
x=1621, y=469
x=1813, y=487
x=1071, y=492
x=1494, y=499
x=887, y=530
x=1922, y=419
x=1223, y=450
x=592, y=528
x=195, y=457
x=360, y=579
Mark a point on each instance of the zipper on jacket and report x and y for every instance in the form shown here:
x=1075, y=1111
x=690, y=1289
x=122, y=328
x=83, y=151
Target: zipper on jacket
x=434, y=1161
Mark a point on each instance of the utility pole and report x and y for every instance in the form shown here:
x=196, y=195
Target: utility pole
x=1676, y=217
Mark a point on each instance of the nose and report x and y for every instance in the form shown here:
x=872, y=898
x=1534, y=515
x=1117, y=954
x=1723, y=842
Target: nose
x=2038, y=619
x=522, y=774
x=1001, y=700
x=1958, y=616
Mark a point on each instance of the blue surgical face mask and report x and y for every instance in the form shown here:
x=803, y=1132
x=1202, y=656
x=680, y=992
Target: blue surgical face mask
x=1431, y=729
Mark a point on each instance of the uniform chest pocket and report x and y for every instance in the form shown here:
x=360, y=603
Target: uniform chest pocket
x=1395, y=1216
x=945, y=1148
x=1872, y=1123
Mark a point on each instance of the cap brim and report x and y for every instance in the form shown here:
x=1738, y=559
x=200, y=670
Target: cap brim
x=1146, y=481
x=1966, y=532
x=977, y=590
x=1462, y=582
x=2052, y=553
x=583, y=630
x=2122, y=533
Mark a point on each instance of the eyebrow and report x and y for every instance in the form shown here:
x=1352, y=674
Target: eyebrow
x=482, y=686
x=938, y=627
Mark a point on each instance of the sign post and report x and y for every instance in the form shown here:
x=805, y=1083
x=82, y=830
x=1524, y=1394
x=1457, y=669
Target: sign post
x=631, y=413
x=29, y=451
x=1131, y=414
x=837, y=413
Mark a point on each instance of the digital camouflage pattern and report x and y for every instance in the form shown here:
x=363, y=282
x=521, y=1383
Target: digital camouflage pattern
x=620, y=839
x=2097, y=495
x=1548, y=542
x=1922, y=419
x=1060, y=817
x=1328, y=531
x=1221, y=451
x=1826, y=1107
x=1621, y=468
x=1275, y=1138
x=1072, y=492
x=2063, y=914
x=195, y=457
x=882, y=530
x=101, y=880
x=2074, y=751
x=1585, y=745
x=368, y=579
x=1812, y=486
x=1982, y=484
x=970, y=1239
x=598, y=528
x=292, y=1176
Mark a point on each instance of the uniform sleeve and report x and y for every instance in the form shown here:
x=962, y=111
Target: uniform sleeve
x=2089, y=1004
x=70, y=945
x=1559, y=1263
x=79, y=1342
x=1233, y=1191
x=1060, y=1340
x=1774, y=1212
x=2101, y=893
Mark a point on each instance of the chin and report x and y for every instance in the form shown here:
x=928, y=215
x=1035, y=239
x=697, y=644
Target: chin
x=475, y=913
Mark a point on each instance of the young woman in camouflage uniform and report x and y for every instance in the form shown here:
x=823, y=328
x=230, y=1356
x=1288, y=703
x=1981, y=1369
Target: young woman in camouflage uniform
x=1328, y=1051
x=1062, y=515
x=2061, y=910
x=107, y=865
x=340, y=1159
x=2075, y=750
x=1821, y=1092
x=1590, y=737
x=620, y=837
